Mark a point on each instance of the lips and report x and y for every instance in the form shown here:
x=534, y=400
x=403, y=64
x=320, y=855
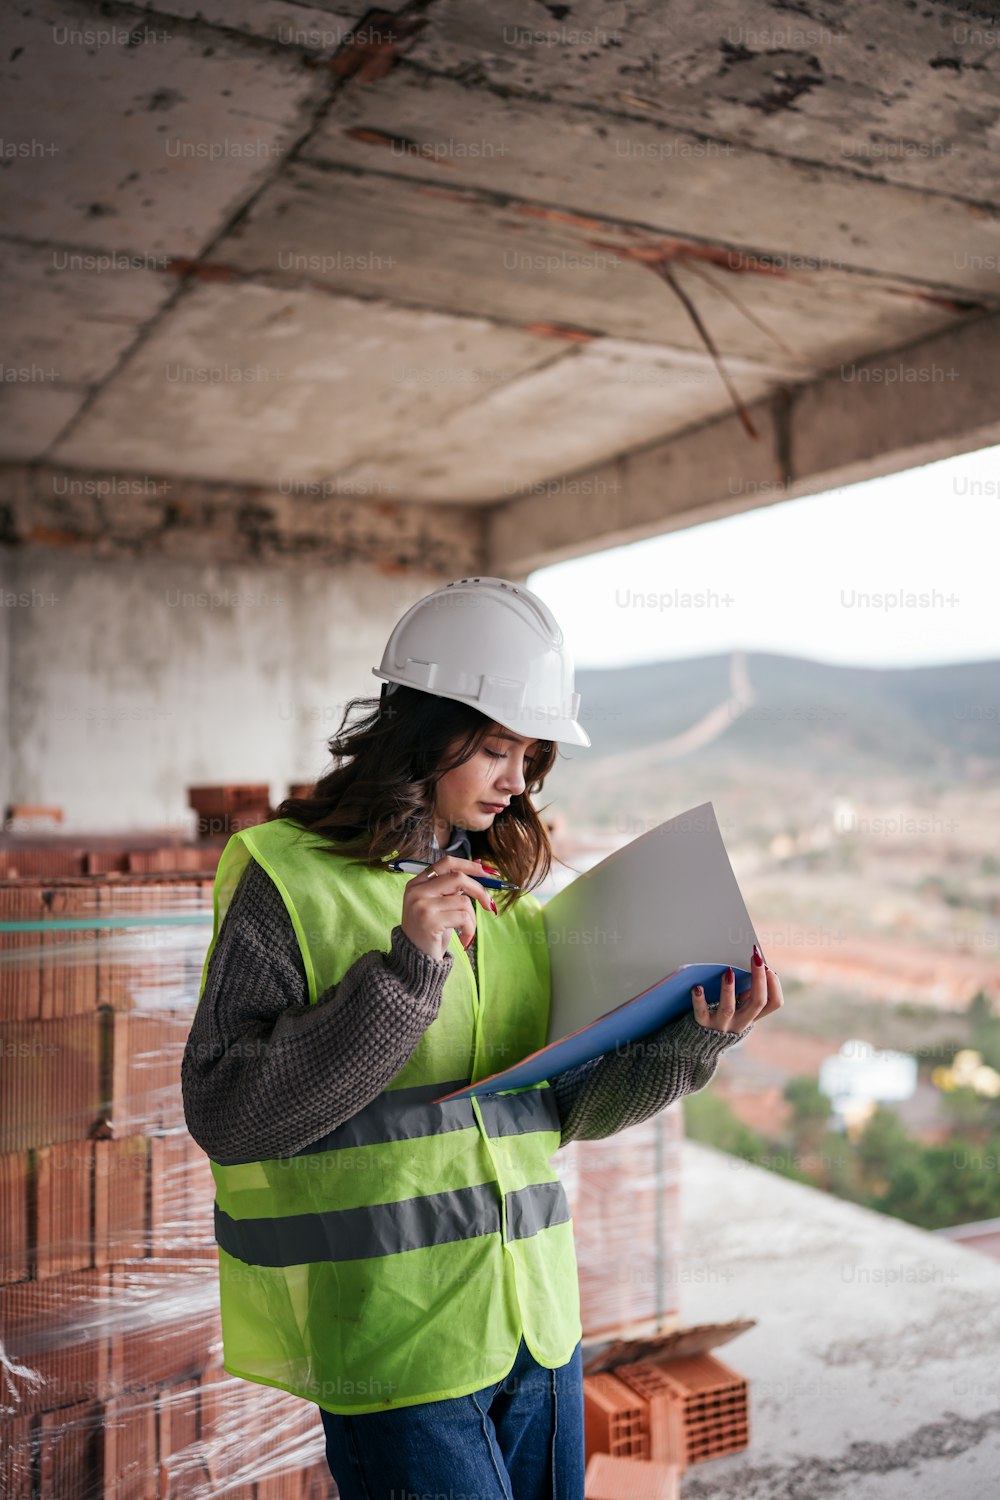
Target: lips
x=496, y=806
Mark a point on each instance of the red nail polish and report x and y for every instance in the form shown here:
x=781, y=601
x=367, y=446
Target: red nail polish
x=758, y=957
x=493, y=905
x=730, y=975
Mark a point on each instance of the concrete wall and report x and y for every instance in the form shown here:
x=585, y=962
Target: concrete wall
x=132, y=679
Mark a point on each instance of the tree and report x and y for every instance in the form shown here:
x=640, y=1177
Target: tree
x=984, y=1029
x=967, y=1184
x=912, y=1190
x=709, y=1119
x=882, y=1145
x=969, y=1113
x=810, y=1110
x=979, y=1010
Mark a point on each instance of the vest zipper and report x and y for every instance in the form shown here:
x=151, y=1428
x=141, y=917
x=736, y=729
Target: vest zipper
x=477, y=1002
x=483, y=1132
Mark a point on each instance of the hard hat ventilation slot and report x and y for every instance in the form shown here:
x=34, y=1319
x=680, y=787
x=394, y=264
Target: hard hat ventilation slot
x=502, y=693
x=421, y=674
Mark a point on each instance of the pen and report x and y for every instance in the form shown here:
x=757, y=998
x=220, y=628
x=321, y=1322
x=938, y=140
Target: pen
x=415, y=866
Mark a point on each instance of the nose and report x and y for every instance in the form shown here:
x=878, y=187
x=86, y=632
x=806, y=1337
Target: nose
x=513, y=785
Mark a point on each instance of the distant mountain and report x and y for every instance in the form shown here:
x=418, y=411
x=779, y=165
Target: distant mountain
x=755, y=708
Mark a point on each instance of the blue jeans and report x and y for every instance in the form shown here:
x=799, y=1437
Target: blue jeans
x=520, y=1439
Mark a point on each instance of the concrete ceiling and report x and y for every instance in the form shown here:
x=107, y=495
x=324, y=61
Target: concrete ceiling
x=284, y=257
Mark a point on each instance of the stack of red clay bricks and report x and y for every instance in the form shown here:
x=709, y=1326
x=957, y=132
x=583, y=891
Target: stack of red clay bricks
x=646, y=1422
x=111, y=1386
x=624, y=1194
x=51, y=858
x=222, y=811
x=227, y=809
x=610, y=1478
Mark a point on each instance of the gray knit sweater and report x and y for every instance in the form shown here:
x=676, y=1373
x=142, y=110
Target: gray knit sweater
x=265, y=1073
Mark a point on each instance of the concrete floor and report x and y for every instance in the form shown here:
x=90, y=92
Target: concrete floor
x=873, y=1369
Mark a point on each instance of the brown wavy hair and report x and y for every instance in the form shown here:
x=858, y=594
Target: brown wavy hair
x=379, y=796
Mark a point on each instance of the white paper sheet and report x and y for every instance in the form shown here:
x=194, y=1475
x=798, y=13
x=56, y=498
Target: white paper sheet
x=666, y=899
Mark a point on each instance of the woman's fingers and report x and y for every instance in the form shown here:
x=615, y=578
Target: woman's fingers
x=721, y=1017
x=702, y=1014
x=736, y=1012
x=454, y=874
x=758, y=978
x=761, y=999
x=775, y=999
x=445, y=892
x=765, y=989
x=460, y=885
x=450, y=909
x=753, y=1000
x=727, y=1000
x=462, y=917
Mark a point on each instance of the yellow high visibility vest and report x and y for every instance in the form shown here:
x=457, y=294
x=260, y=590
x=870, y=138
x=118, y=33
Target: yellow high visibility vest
x=400, y=1259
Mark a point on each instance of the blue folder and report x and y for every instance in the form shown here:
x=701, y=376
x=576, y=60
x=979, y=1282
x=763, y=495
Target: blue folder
x=637, y=1018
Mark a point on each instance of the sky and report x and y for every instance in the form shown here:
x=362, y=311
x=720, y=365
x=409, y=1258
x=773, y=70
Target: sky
x=901, y=571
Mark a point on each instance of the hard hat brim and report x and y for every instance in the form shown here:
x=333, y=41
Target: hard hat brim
x=562, y=731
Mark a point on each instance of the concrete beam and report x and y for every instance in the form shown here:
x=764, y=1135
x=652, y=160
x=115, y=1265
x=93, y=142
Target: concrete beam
x=314, y=524
x=896, y=411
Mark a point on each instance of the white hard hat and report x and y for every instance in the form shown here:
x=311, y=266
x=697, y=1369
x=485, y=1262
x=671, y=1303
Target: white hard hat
x=494, y=645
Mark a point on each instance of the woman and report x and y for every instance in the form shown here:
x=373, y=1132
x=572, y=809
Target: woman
x=409, y=1265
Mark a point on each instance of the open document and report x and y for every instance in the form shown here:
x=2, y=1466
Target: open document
x=627, y=941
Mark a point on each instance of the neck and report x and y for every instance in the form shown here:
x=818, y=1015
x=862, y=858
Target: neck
x=442, y=832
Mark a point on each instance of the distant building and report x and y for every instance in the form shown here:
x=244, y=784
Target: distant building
x=842, y=815
x=860, y=1076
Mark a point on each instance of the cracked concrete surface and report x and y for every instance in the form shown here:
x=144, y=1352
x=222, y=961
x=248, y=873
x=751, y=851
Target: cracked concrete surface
x=872, y=1368
x=949, y=1460
x=442, y=240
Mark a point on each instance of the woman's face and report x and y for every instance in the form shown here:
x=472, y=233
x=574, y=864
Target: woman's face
x=476, y=792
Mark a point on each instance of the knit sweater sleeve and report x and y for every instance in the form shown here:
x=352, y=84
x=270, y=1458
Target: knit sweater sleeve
x=265, y=1073
x=625, y=1087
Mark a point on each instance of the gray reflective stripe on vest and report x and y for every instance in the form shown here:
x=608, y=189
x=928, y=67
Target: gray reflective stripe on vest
x=536, y=1208
x=400, y=1115
x=516, y=1114
x=410, y=1115
x=390, y=1228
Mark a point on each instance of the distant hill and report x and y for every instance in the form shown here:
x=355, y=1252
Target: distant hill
x=758, y=708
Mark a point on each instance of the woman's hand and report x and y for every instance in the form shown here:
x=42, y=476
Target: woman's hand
x=439, y=901
x=735, y=1014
